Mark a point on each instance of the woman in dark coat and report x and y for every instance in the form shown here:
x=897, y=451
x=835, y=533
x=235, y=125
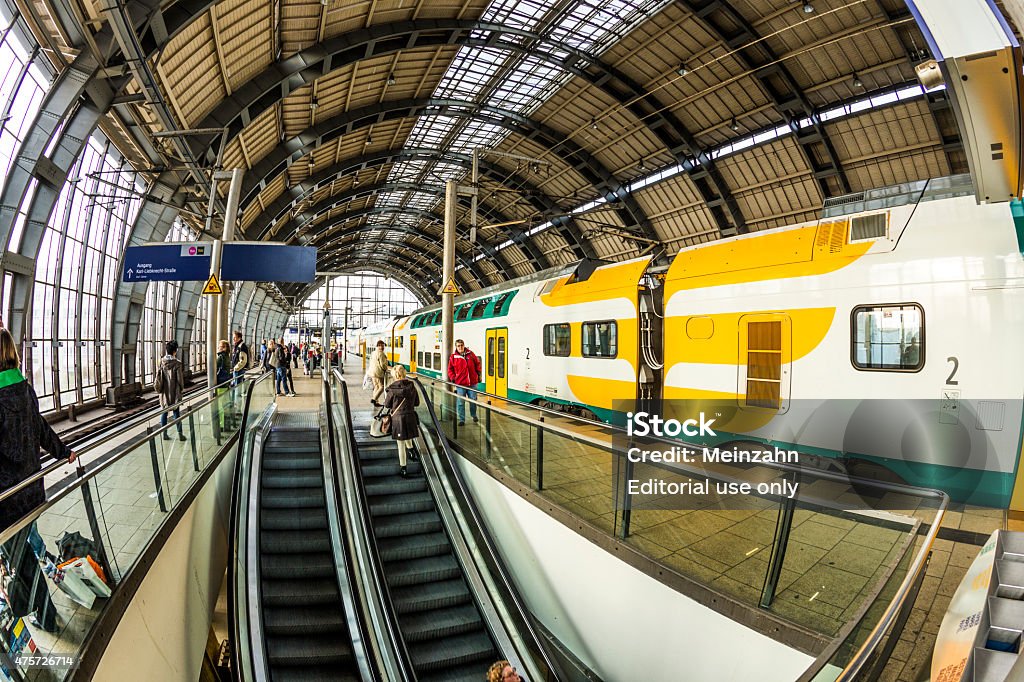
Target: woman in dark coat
x=402, y=399
x=22, y=432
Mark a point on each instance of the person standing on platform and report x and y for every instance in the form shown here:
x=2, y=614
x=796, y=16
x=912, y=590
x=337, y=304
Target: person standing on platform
x=378, y=370
x=289, y=382
x=239, y=358
x=169, y=383
x=464, y=372
x=223, y=379
x=23, y=431
x=294, y=350
x=402, y=400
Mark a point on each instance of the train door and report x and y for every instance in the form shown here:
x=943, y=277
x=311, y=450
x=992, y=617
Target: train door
x=412, y=353
x=765, y=358
x=362, y=352
x=496, y=362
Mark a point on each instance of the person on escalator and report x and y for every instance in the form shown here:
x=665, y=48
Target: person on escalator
x=503, y=671
x=23, y=431
x=401, y=399
x=378, y=370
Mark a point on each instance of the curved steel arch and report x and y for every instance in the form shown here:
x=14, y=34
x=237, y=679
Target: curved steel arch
x=573, y=156
x=283, y=77
x=517, y=236
x=755, y=55
x=542, y=203
x=395, y=267
x=428, y=271
x=488, y=250
x=421, y=292
x=400, y=210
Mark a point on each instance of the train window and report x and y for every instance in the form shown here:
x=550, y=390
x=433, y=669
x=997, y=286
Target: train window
x=462, y=312
x=764, y=364
x=436, y=319
x=600, y=339
x=501, y=357
x=499, y=305
x=888, y=338
x=557, y=340
x=419, y=359
x=478, y=309
x=490, y=356
x=437, y=361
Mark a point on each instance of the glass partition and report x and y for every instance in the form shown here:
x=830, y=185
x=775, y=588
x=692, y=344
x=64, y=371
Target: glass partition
x=807, y=549
x=63, y=562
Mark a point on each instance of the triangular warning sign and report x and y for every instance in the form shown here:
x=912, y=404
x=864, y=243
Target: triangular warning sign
x=212, y=286
x=450, y=287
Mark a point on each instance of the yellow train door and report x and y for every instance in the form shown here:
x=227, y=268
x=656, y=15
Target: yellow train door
x=412, y=353
x=496, y=362
x=362, y=352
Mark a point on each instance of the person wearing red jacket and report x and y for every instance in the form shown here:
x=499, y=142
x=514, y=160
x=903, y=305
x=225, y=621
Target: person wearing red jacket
x=464, y=371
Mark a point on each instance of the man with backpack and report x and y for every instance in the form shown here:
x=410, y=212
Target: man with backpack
x=169, y=383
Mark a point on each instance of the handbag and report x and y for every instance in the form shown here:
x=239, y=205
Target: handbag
x=382, y=422
x=367, y=383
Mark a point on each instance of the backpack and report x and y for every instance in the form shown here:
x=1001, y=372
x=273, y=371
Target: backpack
x=158, y=381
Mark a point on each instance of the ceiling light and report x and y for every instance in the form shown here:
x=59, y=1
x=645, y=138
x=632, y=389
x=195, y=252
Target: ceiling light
x=683, y=69
x=311, y=162
x=734, y=125
x=391, y=79
x=593, y=123
x=857, y=82
x=355, y=182
x=640, y=164
x=314, y=103
x=369, y=140
x=808, y=8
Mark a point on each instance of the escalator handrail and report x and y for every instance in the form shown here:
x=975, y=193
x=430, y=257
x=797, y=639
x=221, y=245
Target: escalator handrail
x=511, y=593
x=236, y=498
x=343, y=559
x=104, y=438
x=380, y=585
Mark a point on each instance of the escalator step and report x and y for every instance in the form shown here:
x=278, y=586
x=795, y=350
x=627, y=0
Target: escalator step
x=426, y=570
x=289, y=448
x=395, y=486
x=293, y=621
x=439, y=595
x=402, y=504
x=298, y=673
x=402, y=549
x=367, y=454
x=287, y=542
x=291, y=498
x=293, y=593
x=297, y=462
x=293, y=519
x=399, y=525
x=295, y=566
x=309, y=649
x=471, y=672
x=379, y=468
x=299, y=478
x=453, y=651
x=439, y=623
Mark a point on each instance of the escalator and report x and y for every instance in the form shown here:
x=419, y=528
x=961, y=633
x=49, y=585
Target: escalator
x=294, y=609
x=305, y=633
x=439, y=620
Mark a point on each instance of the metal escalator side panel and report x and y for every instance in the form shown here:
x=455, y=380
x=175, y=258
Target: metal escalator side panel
x=528, y=650
x=358, y=633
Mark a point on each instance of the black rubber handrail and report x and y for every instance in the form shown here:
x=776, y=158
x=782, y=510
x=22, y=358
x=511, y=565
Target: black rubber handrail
x=499, y=570
x=370, y=539
x=341, y=552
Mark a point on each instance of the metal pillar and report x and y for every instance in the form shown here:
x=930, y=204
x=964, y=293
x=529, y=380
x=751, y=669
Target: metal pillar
x=217, y=305
x=451, y=202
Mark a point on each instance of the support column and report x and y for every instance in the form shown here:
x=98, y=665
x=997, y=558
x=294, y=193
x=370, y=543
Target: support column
x=451, y=204
x=217, y=305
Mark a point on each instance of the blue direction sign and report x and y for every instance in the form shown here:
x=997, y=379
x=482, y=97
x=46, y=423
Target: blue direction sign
x=263, y=262
x=188, y=262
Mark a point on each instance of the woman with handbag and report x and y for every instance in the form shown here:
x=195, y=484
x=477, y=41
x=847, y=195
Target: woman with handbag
x=401, y=400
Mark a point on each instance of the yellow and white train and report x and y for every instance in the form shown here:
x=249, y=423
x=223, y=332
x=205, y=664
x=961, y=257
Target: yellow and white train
x=889, y=331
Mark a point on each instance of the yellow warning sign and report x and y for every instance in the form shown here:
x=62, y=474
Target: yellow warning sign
x=450, y=287
x=212, y=286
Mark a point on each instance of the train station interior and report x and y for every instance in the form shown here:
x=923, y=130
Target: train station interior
x=543, y=340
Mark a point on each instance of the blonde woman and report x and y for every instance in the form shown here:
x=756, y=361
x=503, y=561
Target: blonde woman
x=402, y=400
